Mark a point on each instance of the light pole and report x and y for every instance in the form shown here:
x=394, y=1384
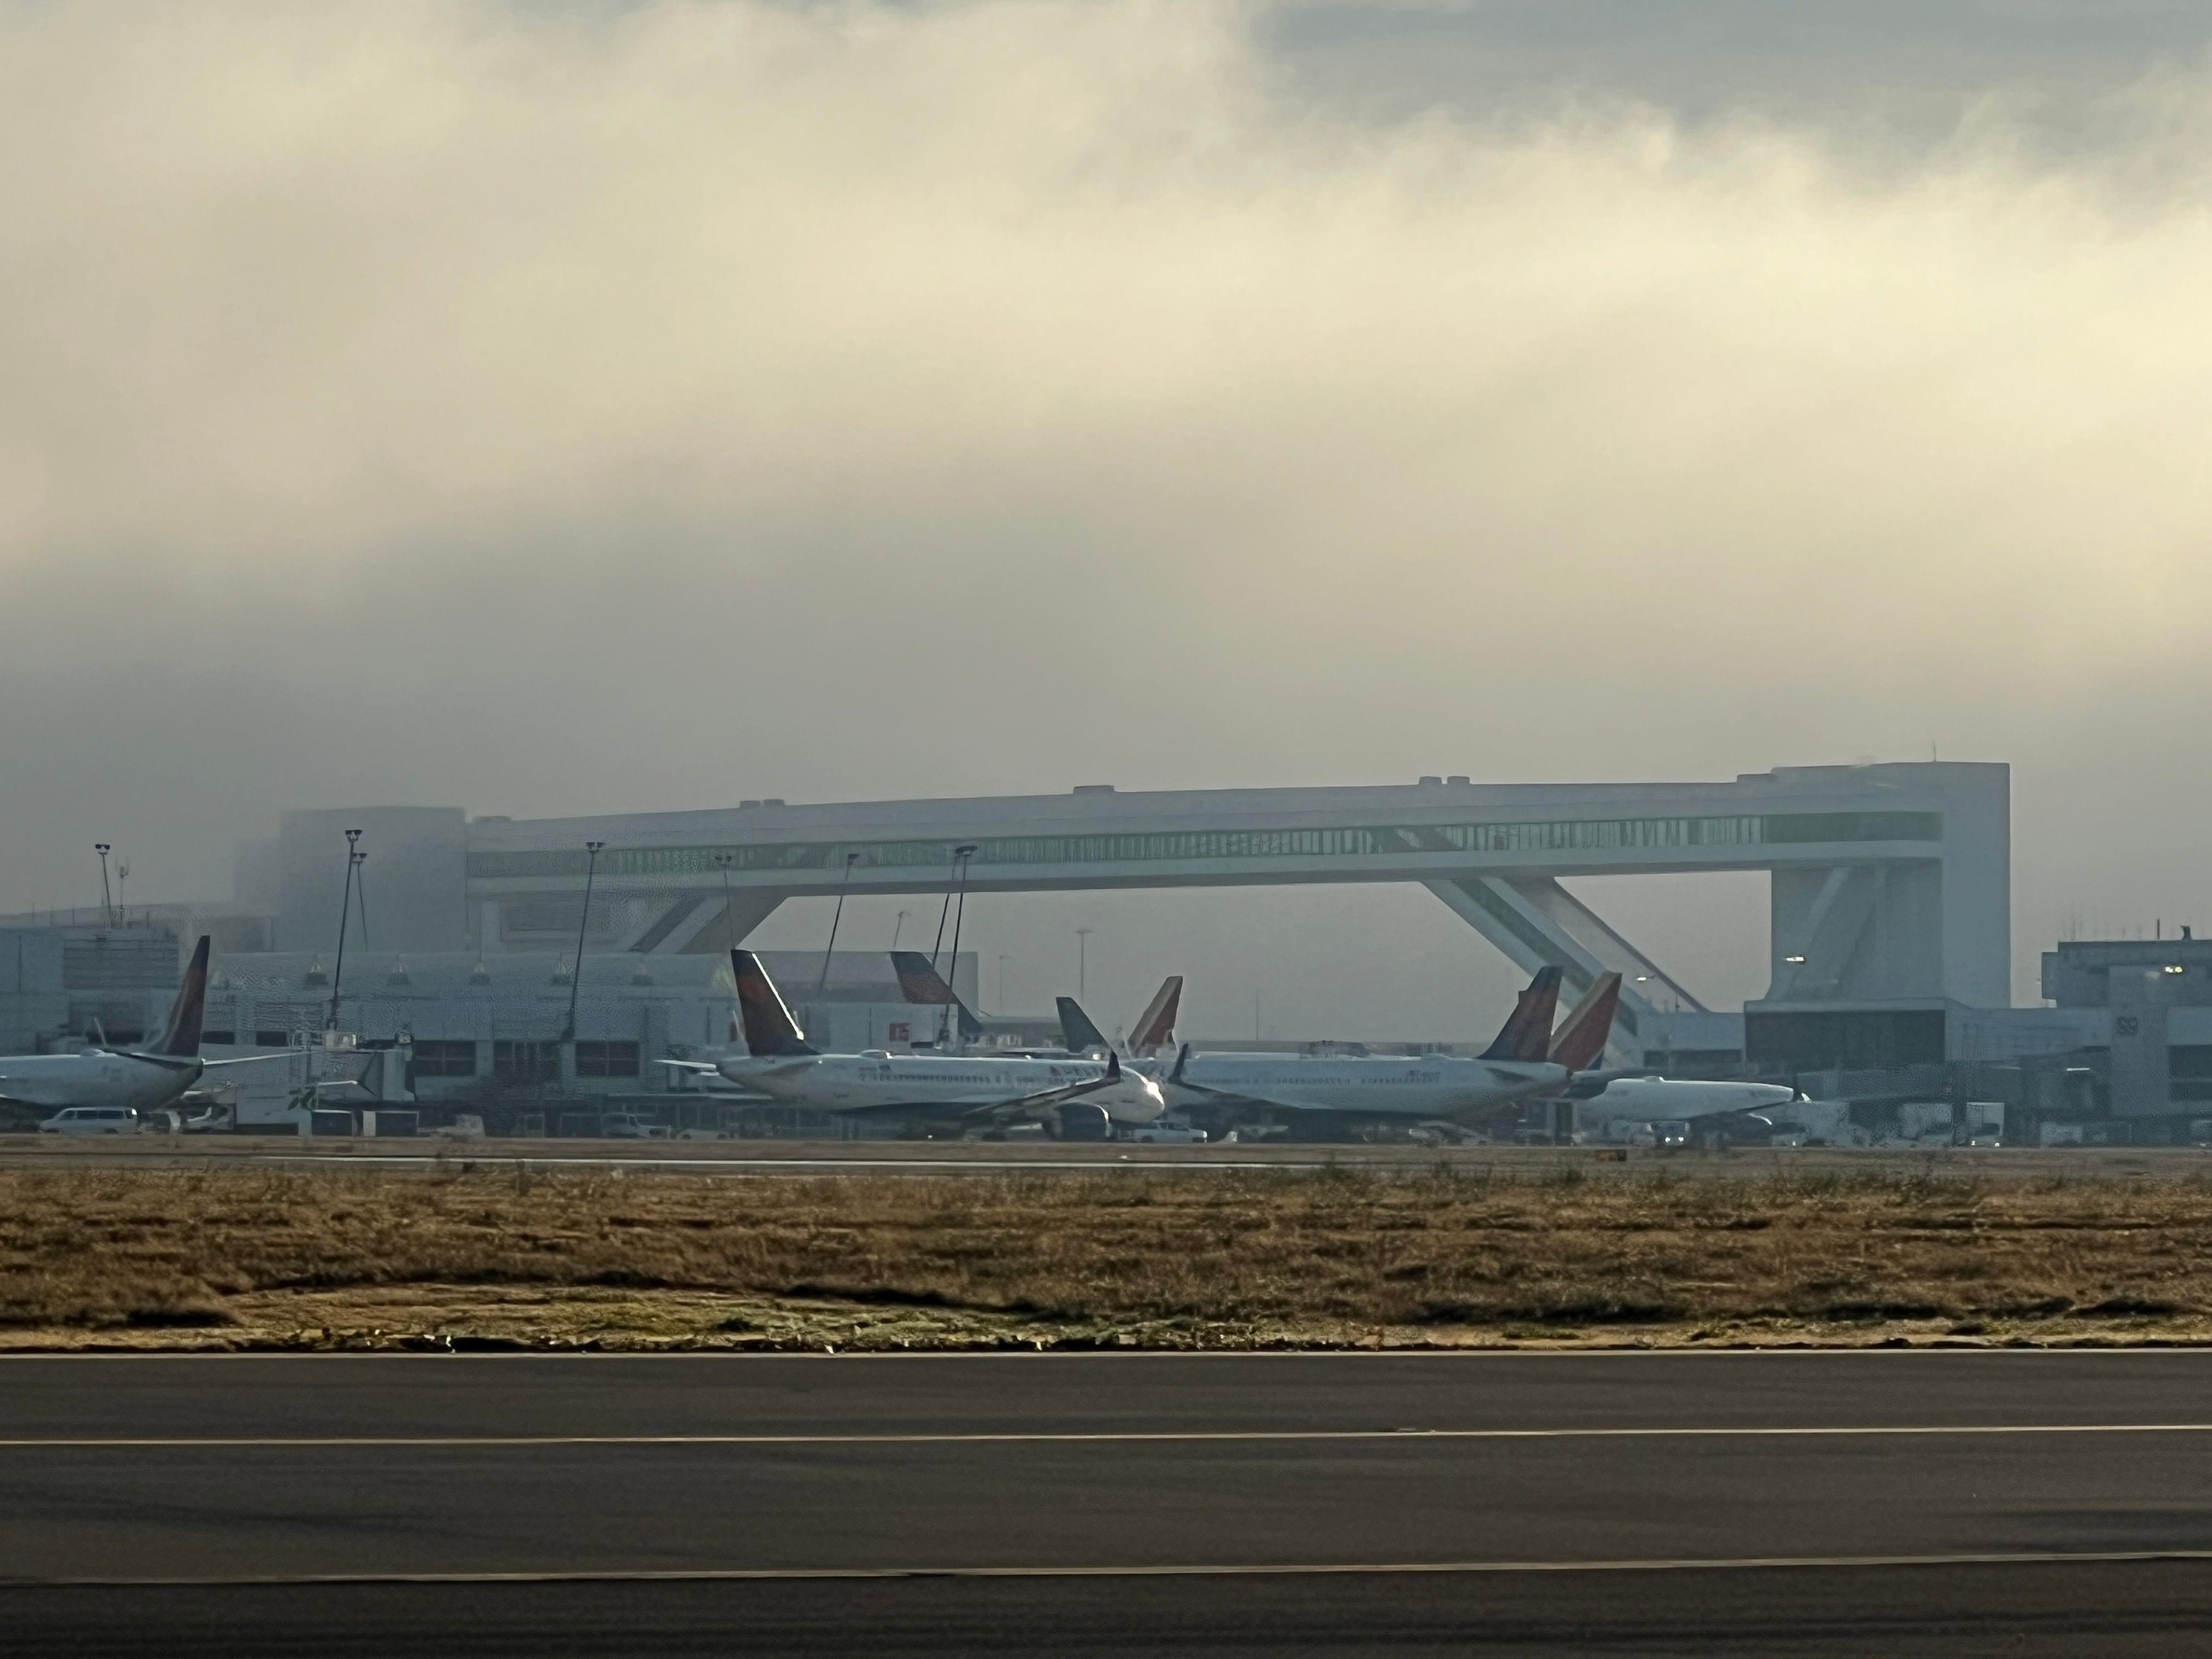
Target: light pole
x=107, y=903
x=591, y=849
x=1083, y=960
x=822, y=984
x=960, y=857
x=936, y=945
x=896, y=927
x=354, y=856
x=723, y=861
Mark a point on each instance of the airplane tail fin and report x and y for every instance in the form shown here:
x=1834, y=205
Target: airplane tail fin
x=919, y=982
x=1155, y=1027
x=1526, y=1033
x=1580, y=1039
x=181, y=1037
x=1078, y=1032
x=768, y=1025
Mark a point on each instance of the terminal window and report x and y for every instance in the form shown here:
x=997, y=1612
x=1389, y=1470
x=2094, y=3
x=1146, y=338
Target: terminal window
x=526, y=1062
x=443, y=1059
x=1857, y=1039
x=607, y=1059
x=1351, y=841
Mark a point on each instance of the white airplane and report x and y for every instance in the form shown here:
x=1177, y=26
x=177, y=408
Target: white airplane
x=1617, y=1098
x=1680, y=1100
x=146, y=1080
x=1424, y=1088
x=1071, y=1098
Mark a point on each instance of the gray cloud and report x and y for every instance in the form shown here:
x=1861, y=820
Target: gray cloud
x=642, y=407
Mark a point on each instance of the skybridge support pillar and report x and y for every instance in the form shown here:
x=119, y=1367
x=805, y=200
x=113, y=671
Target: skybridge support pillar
x=1537, y=923
x=694, y=925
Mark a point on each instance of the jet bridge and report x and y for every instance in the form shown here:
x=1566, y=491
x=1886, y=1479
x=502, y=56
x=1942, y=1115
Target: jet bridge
x=1890, y=882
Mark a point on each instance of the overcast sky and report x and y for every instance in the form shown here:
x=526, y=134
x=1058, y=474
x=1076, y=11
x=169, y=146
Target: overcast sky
x=547, y=408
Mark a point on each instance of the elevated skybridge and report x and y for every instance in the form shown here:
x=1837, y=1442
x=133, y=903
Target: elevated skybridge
x=1891, y=883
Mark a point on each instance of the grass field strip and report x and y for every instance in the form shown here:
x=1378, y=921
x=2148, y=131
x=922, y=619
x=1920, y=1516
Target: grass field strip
x=1091, y=1438
x=185, y=1164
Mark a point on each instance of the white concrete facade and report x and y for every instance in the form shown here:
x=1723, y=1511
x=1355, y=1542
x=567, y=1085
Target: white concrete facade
x=1890, y=882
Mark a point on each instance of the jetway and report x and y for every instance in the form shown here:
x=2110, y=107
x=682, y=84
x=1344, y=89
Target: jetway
x=1890, y=882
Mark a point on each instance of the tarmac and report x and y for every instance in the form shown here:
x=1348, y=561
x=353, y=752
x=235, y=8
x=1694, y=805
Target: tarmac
x=1812, y=1503
x=771, y=1157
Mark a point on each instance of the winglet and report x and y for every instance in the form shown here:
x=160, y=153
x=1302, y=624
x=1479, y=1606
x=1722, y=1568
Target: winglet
x=1182, y=1059
x=181, y=1037
x=1078, y=1032
x=1526, y=1033
x=1580, y=1039
x=767, y=1023
x=1113, y=1066
x=1155, y=1027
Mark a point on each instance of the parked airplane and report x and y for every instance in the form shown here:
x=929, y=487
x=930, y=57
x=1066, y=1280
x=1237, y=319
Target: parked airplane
x=1618, y=1098
x=1719, y=1104
x=1425, y=1087
x=145, y=1079
x=1072, y=1099
x=1153, y=1031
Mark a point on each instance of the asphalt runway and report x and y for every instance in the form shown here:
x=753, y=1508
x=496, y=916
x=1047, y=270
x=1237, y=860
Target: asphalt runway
x=1839, y=1503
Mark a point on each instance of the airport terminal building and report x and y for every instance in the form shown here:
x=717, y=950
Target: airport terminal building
x=1889, y=936
x=1890, y=910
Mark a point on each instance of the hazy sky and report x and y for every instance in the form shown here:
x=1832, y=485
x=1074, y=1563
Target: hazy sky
x=548, y=408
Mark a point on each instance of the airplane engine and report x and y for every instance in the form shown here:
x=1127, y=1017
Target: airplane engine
x=1081, y=1120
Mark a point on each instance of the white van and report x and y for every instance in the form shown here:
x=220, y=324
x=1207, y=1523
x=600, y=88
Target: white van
x=91, y=1120
x=1166, y=1134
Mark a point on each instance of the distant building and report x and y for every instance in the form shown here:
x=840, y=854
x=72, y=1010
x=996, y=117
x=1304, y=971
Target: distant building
x=61, y=987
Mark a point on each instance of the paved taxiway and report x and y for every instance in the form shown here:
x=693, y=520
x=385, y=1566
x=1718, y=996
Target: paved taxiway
x=816, y=1157
x=1821, y=1502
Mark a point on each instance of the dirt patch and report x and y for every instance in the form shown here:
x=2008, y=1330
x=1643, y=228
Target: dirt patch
x=509, y=1256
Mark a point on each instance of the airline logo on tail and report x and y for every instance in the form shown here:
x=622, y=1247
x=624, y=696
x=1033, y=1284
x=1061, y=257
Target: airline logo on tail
x=1155, y=1027
x=181, y=1037
x=919, y=982
x=1580, y=1041
x=1526, y=1033
x=769, y=1027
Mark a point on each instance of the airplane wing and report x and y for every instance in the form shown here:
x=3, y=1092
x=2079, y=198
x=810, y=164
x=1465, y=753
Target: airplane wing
x=251, y=1059
x=690, y=1065
x=996, y=1111
x=1175, y=1079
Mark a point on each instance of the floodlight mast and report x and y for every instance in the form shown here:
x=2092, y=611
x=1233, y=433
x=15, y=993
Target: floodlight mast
x=592, y=851
x=961, y=855
x=354, y=856
x=838, y=916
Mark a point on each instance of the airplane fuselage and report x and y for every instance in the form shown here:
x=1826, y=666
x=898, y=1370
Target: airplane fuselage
x=1425, y=1086
x=99, y=1079
x=885, y=1082
x=1664, y=1100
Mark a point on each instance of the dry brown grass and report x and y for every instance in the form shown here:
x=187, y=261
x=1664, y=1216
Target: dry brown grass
x=1160, y=1259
